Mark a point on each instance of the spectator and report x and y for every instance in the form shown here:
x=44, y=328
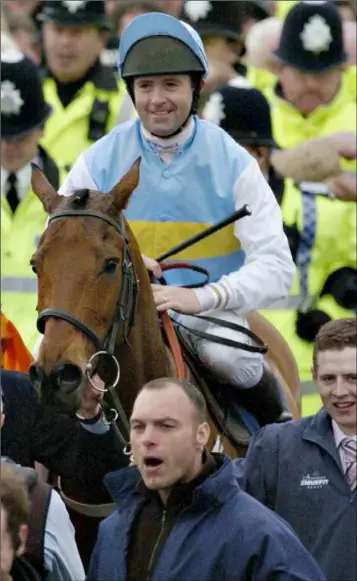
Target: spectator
x=347, y=9
x=14, y=517
x=14, y=354
x=51, y=548
x=29, y=8
x=24, y=112
x=125, y=11
x=219, y=24
x=325, y=282
x=82, y=451
x=313, y=96
x=26, y=35
x=120, y=16
x=196, y=522
x=172, y=7
x=306, y=470
x=86, y=96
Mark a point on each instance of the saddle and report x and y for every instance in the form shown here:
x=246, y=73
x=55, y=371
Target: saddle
x=232, y=419
x=238, y=413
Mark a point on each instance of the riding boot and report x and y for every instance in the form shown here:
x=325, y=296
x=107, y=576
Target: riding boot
x=264, y=400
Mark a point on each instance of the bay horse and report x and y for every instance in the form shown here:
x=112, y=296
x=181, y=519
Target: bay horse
x=87, y=258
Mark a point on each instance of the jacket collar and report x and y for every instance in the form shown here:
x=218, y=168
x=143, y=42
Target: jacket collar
x=215, y=490
x=320, y=432
x=101, y=76
x=340, y=100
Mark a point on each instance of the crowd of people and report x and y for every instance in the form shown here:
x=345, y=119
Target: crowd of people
x=225, y=103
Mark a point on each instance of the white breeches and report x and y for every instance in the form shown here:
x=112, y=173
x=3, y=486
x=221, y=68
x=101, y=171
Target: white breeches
x=233, y=365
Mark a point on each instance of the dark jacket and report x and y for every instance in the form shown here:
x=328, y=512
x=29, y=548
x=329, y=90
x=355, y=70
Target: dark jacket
x=295, y=470
x=224, y=535
x=40, y=497
x=32, y=433
x=23, y=571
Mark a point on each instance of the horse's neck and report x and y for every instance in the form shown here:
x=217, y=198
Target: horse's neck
x=145, y=357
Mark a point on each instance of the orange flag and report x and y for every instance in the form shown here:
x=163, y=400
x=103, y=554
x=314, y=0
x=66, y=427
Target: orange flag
x=14, y=354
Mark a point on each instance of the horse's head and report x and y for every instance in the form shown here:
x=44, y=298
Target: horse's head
x=87, y=285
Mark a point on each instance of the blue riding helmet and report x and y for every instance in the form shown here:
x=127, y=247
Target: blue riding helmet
x=156, y=43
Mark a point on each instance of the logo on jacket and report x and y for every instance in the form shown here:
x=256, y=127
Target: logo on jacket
x=314, y=481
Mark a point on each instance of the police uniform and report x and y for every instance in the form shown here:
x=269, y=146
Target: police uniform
x=211, y=19
x=312, y=42
x=226, y=20
x=23, y=218
x=95, y=106
x=325, y=285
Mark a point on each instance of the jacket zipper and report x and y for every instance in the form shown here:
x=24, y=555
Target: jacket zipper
x=157, y=544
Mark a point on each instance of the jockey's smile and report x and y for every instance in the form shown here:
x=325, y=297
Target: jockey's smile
x=163, y=102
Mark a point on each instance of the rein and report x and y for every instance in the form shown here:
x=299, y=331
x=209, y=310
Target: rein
x=124, y=318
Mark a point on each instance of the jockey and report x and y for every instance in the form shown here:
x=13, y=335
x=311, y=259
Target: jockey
x=192, y=174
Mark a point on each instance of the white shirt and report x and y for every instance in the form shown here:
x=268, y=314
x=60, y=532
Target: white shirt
x=23, y=181
x=339, y=435
x=62, y=560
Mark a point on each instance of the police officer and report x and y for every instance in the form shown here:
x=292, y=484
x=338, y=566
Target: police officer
x=219, y=25
x=313, y=95
x=325, y=284
x=23, y=115
x=85, y=95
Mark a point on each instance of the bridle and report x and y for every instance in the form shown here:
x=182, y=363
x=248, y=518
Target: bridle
x=124, y=317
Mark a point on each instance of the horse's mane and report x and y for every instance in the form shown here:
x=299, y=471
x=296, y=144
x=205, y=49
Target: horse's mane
x=80, y=198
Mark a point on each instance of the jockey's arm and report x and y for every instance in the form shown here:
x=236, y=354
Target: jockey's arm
x=268, y=271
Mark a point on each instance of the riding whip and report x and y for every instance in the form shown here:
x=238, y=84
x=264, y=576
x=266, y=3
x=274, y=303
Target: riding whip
x=241, y=213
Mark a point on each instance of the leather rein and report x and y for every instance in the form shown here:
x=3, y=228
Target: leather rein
x=124, y=318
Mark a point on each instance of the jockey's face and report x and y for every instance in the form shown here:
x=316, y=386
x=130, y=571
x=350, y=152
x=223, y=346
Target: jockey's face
x=71, y=50
x=307, y=91
x=335, y=374
x=167, y=438
x=163, y=102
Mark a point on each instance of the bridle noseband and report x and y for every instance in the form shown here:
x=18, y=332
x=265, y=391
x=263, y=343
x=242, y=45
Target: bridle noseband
x=124, y=316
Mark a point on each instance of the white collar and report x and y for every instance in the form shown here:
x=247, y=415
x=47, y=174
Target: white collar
x=339, y=435
x=23, y=180
x=172, y=143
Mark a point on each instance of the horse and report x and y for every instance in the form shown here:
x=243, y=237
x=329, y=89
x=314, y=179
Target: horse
x=87, y=258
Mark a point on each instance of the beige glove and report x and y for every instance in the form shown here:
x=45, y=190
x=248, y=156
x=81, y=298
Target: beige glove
x=313, y=161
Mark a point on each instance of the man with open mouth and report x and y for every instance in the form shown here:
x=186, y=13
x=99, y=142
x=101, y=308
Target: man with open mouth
x=180, y=512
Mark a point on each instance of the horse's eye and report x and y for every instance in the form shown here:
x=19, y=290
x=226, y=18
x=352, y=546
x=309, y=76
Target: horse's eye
x=33, y=266
x=110, y=265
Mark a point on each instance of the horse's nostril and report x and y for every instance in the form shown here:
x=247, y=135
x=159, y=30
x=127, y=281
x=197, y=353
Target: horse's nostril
x=67, y=376
x=37, y=376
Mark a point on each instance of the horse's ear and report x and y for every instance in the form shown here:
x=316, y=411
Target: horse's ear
x=42, y=188
x=118, y=197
